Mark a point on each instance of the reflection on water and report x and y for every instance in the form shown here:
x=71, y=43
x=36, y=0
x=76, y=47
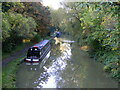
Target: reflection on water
x=67, y=67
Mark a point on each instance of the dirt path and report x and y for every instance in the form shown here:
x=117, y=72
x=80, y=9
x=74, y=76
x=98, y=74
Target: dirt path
x=15, y=55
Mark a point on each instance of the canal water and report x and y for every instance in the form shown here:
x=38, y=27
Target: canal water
x=67, y=67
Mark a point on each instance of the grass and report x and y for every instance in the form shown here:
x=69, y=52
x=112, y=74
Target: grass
x=17, y=49
x=0, y=78
x=9, y=74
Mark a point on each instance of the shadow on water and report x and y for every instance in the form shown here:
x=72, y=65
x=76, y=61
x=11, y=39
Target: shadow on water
x=67, y=67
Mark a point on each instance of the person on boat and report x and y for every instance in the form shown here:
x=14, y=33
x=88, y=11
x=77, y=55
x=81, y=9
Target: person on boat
x=58, y=34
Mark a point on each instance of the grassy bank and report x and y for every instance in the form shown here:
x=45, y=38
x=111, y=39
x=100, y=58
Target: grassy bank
x=9, y=74
x=110, y=59
x=111, y=63
x=17, y=48
x=9, y=71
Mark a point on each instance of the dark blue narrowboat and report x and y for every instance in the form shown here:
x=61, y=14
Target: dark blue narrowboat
x=38, y=52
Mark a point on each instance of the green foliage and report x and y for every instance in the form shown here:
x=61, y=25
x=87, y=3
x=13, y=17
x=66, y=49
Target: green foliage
x=36, y=39
x=112, y=63
x=15, y=27
x=116, y=74
x=21, y=25
x=6, y=6
x=40, y=14
x=9, y=74
x=6, y=28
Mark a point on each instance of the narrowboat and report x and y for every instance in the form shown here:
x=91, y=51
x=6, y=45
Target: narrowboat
x=38, y=52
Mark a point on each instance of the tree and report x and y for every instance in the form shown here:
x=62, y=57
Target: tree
x=15, y=27
x=39, y=12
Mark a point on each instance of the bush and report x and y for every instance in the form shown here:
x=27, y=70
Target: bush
x=116, y=74
x=36, y=39
x=15, y=28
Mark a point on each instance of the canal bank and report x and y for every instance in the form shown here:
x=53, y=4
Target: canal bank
x=10, y=65
x=9, y=74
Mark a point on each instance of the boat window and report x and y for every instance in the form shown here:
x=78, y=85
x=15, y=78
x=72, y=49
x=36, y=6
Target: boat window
x=33, y=52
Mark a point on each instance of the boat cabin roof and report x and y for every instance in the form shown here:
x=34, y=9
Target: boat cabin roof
x=41, y=44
